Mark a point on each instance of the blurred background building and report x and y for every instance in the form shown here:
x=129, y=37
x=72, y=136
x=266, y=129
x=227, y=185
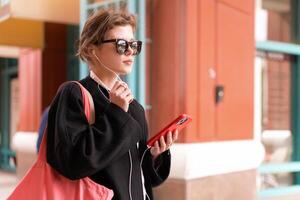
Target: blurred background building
x=232, y=65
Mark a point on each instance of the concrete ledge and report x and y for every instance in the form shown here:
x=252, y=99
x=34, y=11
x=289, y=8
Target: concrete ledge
x=232, y=186
x=196, y=160
x=25, y=142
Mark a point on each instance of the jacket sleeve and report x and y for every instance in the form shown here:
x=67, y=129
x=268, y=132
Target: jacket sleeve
x=77, y=149
x=159, y=170
x=155, y=171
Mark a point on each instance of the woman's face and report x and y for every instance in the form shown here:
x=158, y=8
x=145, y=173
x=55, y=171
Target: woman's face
x=107, y=53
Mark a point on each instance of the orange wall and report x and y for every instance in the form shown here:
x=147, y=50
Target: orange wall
x=30, y=89
x=235, y=65
x=198, y=45
x=22, y=33
x=207, y=74
x=164, y=66
x=66, y=11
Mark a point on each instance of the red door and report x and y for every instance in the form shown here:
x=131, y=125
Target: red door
x=235, y=65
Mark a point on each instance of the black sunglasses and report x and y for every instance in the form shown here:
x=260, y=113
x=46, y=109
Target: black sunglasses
x=123, y=45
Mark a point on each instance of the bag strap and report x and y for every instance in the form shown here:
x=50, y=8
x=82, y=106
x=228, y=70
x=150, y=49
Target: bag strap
x=89, y=110
x=88, y=103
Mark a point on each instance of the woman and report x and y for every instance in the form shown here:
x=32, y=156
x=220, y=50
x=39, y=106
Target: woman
x=112, y=151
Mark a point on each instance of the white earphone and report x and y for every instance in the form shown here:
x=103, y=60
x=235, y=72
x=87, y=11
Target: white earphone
x=117, y=76
x=98, y=59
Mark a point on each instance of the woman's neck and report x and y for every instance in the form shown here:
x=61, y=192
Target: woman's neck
x=106, y=79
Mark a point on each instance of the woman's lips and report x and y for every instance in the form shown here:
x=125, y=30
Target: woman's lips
x=128, y=62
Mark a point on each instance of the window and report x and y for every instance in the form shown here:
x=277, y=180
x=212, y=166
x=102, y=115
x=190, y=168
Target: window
x=276, y=58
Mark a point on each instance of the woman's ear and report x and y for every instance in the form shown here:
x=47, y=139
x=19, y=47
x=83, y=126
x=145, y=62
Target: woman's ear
x=91, y=50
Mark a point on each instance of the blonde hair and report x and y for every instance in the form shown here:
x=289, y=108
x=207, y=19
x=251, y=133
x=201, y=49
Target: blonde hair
x=96, y=27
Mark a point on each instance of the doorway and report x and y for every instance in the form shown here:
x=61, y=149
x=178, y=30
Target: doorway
x=9, y=109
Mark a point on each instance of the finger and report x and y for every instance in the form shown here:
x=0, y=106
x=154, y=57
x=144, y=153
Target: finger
x=124, y=84
x=175, y=135
x=162, y=145
x=121, y=85
x=116, y=85
x=169, y=138
x=119, y=90
x=129, y=98
x=155, y=149
x=125, y=93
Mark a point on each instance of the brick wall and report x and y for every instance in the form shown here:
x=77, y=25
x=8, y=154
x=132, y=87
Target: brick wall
x=277, y=76
x=277, y=94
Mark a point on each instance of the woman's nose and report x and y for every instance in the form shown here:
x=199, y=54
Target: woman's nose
x=129, y=51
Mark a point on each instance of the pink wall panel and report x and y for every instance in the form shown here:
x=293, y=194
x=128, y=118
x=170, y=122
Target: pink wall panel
x=30, y=89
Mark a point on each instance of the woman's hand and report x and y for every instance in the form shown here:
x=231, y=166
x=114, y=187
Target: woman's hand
x=121, y=95
x=163, y=145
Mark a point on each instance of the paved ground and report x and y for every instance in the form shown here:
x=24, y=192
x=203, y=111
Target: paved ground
x=8, y=182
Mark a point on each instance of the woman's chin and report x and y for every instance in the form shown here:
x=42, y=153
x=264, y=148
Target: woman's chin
x=125, y=71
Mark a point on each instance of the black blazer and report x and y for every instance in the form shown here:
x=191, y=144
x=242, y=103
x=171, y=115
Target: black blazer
x=101, y=151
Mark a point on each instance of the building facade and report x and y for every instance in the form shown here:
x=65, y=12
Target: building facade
x=198, y=58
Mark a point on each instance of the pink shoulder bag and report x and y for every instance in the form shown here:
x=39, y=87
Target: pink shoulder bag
x=42, y=182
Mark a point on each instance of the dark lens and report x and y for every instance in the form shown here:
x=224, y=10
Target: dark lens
x=121, y=46
x=136, y=46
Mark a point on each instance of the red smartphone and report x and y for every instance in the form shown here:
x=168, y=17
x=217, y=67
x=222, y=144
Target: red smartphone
x=179, y=123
